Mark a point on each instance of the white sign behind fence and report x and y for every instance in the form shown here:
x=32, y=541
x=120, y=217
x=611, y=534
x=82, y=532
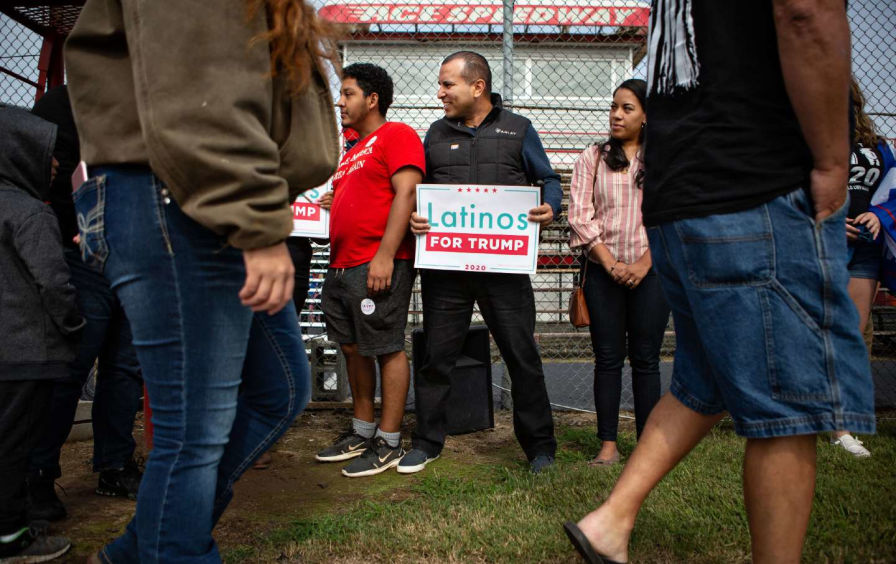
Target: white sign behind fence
x=308, y=218
x=478, y=228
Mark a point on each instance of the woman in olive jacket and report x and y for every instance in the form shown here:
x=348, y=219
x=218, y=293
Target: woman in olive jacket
x=200, y=127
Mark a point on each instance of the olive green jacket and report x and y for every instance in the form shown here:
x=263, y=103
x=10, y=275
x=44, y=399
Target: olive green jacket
x=181, y=86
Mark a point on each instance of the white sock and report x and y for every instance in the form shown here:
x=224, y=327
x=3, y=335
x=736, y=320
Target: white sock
x=363, y=428
x=392, y=439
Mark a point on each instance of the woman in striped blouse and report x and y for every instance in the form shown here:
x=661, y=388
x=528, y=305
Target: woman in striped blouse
x=627, y=307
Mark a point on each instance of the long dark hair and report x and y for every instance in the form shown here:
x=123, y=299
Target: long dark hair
x=865, y=132
x=612, y=150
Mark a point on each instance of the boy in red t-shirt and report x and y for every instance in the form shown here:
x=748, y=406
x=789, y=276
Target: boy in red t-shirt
x=367, y=290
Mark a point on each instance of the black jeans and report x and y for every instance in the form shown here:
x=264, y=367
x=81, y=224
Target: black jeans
x=23, y=406
x=300, y=251
x=119, y=386
x=619, y=317
x=508, y=307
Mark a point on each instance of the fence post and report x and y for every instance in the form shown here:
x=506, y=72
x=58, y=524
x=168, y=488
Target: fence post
x=507, y=52
x=507, y=49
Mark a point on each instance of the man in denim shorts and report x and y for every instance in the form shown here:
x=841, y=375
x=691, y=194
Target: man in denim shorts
x=746, y=169
x=367, y=290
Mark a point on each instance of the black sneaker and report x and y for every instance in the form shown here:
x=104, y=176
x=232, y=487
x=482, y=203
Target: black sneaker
x=541, y=463
x=347, y=445
x=414, y=461
x=121, y=482
x=43, y=504
x=378, y=457
x=33, y=546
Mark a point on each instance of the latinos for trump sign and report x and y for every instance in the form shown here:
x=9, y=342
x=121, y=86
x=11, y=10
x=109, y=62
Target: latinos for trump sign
x=478, y=228
x=308, y=218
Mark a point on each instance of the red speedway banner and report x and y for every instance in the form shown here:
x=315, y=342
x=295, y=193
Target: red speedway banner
x=606, y=13
x=478, y=228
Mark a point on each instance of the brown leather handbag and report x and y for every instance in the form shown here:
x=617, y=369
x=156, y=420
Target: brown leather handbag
x=578, y=309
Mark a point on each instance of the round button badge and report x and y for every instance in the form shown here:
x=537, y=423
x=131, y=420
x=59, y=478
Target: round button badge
x=367, y=306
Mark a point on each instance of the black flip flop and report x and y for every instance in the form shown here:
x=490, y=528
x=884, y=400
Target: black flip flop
x=583, y=545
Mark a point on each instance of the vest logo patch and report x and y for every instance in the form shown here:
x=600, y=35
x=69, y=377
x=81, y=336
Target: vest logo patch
x=504, y=131
x=455, y=146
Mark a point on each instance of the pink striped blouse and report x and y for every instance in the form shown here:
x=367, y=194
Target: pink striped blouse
x=606, y=207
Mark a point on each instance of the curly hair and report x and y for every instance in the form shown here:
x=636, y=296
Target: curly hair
x=299, y=40
x=370, y=79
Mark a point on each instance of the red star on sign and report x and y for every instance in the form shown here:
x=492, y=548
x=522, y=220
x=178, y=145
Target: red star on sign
x=468, y=189
x=460, y=189
x=477, y=190
x=495, y=190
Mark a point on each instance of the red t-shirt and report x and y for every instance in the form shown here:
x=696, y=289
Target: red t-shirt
x=363, y=194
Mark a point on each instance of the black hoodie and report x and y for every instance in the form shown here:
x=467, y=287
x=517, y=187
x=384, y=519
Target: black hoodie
x=39, y=319
x=55, y=107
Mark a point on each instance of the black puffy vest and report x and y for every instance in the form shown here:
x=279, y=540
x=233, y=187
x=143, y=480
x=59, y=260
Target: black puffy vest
x=491, y=155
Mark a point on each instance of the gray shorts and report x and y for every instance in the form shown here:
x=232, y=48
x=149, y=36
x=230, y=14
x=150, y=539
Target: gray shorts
x=375, y=324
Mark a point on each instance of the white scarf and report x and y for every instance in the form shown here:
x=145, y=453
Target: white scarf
x=672, y=55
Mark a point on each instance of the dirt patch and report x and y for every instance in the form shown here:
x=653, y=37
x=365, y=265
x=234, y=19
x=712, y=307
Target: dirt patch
x=294, y=487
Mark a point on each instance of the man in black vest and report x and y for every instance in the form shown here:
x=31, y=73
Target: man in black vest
x=479, y=142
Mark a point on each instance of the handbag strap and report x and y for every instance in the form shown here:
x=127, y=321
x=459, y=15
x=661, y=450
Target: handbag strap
x=593, y=188
x=584, y=271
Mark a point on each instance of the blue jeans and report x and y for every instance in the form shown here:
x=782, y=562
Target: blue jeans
x=119, y=387
x=765, y=328
x=223, y=383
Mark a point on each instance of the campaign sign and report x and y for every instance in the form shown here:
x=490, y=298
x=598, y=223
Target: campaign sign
x=478, y=228
x=308, y=218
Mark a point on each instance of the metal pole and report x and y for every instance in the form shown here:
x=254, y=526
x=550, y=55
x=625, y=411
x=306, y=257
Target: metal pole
x=507, y=50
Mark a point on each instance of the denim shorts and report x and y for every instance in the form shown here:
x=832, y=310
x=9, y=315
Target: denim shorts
x=376, y=324
x=765, y=328
x=864, y=260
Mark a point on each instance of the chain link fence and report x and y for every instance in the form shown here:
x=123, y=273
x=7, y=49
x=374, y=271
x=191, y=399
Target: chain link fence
x=873, y=25
x=19, y=56
x=565, y=61
x=567, y=56
x=560, y=72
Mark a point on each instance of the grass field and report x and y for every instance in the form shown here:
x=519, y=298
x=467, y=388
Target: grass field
x=484, y=506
